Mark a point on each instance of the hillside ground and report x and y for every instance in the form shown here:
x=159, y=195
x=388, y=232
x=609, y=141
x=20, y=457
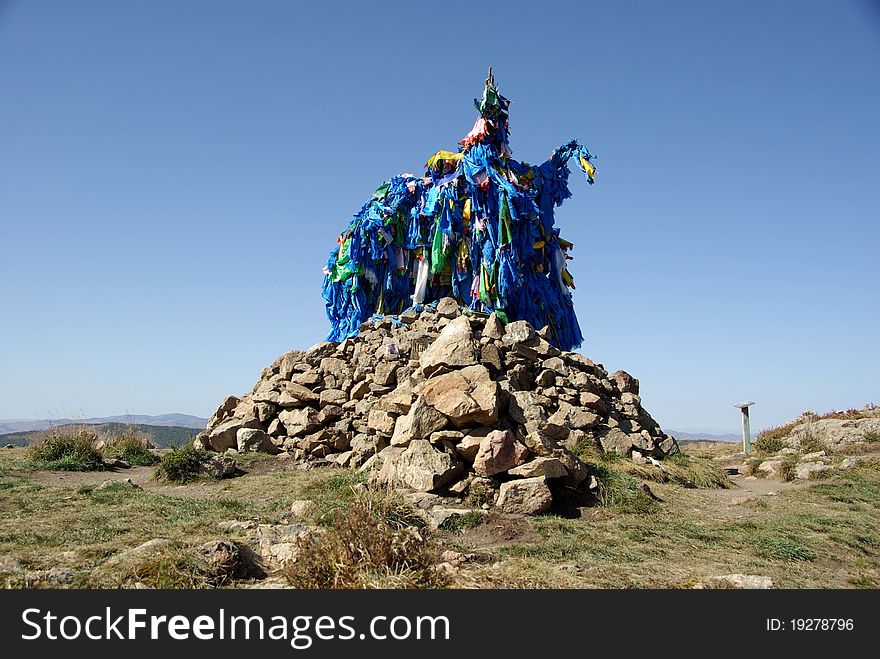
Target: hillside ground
x=802, y=534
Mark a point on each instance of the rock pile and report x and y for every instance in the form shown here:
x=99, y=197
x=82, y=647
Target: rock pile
x=443, y=401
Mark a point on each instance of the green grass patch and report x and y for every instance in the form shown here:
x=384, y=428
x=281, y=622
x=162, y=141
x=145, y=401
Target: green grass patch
x=182, y=465
x=133, y=449
x=331, y=493
x=68, y=451
x=463, y=522
x=783, y=548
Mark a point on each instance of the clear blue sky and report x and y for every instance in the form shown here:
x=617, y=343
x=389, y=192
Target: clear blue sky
x=173, y=174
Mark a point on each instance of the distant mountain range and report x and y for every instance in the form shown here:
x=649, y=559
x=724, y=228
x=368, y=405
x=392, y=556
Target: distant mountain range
x=8, y=426
x=189, y=421
x=697, y=436
x=160, y=436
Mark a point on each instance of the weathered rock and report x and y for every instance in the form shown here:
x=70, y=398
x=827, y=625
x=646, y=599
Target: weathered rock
x=383, y=470
x=224, y=411
x=771, y=467
x=219, y=466
x=529, y=496
x=490, y=357
x=125, y=484
x=810, y=470
x=299, y=508
x=418, y=423
x=255, y=440
x=575, y=418
x=115, y=463
x=438, y=516
x=296, y=395
x=277, y=544
x=381, y=421
x=448, y=307
x=467, y=448
x=333, y=397
x=499, y=451
x=223, y=436
x=426, y=469
x=593, y=402
x=398, y=401
x=616, y=441
x=834, y=432
x=540, y=467
x=454, y=347
x=467, y=397
x=518, y=331
x=359, y=390
x=494, y=328
x=386, y=374
x=625, y=382
x=225, y=560
x=737, y=582
x=287, y=362
x=300, y=422
x=852, y=461
x=526, y=406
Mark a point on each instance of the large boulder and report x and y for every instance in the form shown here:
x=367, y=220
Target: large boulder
x=616, y=441
x=454, y=347
x=467, y=397
x=518, y=331
x=223, y=436
x=426, y=469
x=626, y=383
x=300, y=422
x=418, y=423
x=381, y=421
x=544, y=467
x=255, y=440
x=499, y=451
x=529, y=496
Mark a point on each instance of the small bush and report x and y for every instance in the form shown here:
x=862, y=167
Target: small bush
x=370, y=544
x=770, y=441
x=182, y=465
x=621, y=491
x=810, y=442
x=788, y=468
x=68, y=451
x=133, y=449
x=751, y=467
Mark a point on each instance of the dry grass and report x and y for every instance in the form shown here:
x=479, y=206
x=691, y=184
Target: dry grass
x=680, y=468
x=373, y=543
x=612, y=470
x=709, y=449
x=67, y=450
x=821, y=535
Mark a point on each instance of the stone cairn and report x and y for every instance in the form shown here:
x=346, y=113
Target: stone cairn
x=442, y=401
